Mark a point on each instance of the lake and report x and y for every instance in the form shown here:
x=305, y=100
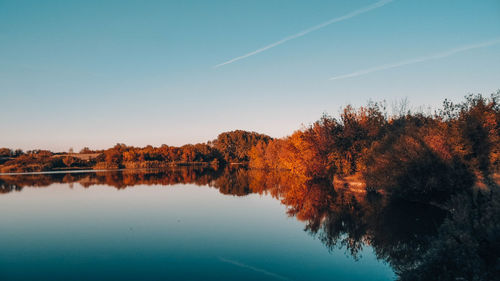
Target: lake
x=193, y=224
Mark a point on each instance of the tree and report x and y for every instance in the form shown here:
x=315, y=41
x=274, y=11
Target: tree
x=235, y=145
x=86, y=150
x=6, y=152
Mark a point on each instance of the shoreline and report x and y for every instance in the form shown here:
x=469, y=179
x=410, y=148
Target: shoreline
x=86, y=170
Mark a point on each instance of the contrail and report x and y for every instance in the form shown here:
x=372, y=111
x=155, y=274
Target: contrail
x=254, y=269
x=416, y=60
x=309, y=30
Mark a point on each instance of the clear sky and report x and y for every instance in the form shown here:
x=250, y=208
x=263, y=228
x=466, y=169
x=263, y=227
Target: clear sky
x=94, y=73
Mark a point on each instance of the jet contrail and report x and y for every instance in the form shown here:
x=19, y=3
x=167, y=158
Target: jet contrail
x=416, y=60
x=309, y=30
x=254, y=268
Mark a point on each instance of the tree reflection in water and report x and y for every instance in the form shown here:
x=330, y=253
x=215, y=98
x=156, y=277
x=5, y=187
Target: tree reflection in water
x=458, y=240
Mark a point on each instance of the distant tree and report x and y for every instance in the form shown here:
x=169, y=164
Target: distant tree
x=86, y=150
x=235, y=145
x=6, y=152
x=114, y=155
x=18, y=152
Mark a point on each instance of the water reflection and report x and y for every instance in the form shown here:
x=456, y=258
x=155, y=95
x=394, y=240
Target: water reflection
x=117, y=179
x=417, y=240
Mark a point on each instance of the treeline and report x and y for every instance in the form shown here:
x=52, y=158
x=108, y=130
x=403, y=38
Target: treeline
x=412, y=155
x=229, y=147
x=417, y=156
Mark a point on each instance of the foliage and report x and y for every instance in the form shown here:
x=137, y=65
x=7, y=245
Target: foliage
x=413, y=156
x=227, y=148
x=235, y=145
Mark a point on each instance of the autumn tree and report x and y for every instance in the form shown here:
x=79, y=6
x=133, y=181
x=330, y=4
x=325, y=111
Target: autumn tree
x=235, y=145
x=6, y=152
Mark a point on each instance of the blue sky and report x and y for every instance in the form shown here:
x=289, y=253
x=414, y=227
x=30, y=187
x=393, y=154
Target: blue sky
x=94, y=73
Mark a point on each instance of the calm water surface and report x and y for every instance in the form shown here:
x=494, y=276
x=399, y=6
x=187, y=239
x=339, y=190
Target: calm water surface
x=174, y=226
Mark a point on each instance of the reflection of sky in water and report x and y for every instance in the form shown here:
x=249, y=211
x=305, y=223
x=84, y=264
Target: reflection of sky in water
x=163, y=232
